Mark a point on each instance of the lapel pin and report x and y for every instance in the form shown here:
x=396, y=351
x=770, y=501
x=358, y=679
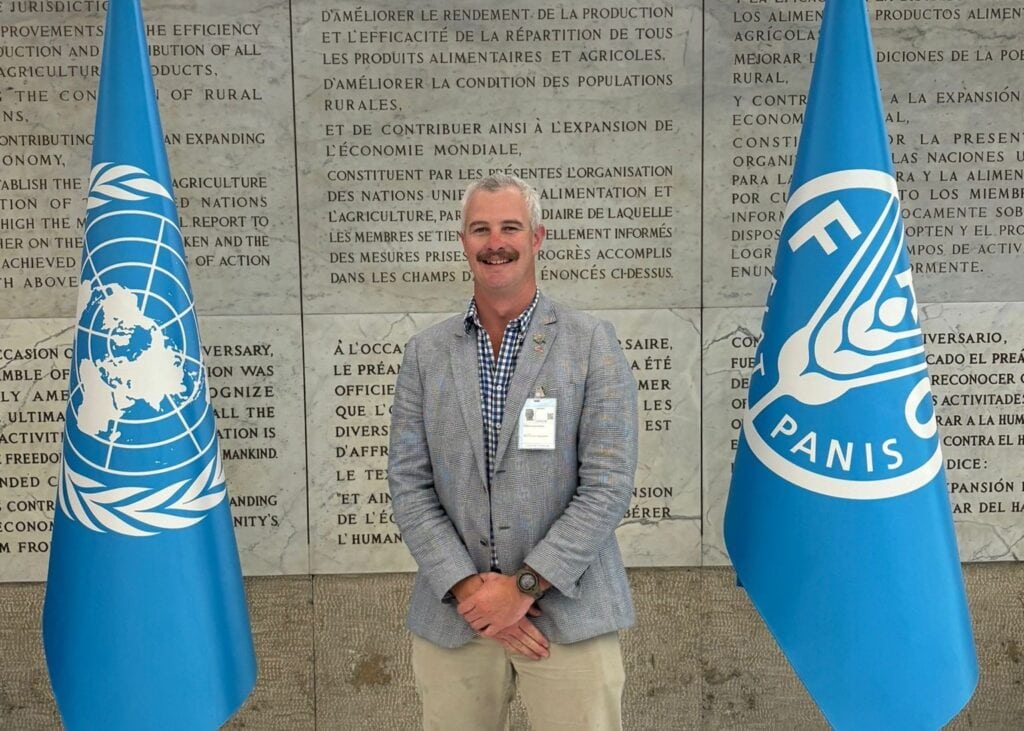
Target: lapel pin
x=539, y=338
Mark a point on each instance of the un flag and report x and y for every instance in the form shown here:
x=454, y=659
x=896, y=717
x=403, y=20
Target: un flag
x=145, y=623
x=838, y=521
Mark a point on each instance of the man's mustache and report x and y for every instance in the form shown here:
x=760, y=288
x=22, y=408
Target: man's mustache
x=500, y=255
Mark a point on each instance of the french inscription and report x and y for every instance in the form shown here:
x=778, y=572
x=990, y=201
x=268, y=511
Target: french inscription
x=662, y=348
x=352, y=413
x=394, y=158
x=352, y=366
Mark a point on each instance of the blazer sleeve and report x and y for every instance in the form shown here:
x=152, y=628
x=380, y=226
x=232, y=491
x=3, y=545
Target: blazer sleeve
x=427, y=530
x=607, y=452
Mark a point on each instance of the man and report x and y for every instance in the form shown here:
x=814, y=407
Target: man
x=513, y=449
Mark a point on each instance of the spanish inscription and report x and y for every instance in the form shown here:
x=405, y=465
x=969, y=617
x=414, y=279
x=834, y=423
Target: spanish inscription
x=951, y=108
x=975, y=357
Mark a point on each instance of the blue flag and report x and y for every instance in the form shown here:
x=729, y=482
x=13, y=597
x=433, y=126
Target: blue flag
x=838, y=521
x=145, y=623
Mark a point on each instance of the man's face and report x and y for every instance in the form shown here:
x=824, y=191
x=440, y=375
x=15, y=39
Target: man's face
x=498, y=243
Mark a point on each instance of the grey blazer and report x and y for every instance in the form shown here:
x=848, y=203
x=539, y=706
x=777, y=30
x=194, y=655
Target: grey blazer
x=555, y=510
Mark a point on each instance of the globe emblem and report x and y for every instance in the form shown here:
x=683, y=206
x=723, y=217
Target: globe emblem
x=137, y=383
x=141, y=448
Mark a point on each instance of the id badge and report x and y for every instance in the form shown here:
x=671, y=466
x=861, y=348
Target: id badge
x=537, y=424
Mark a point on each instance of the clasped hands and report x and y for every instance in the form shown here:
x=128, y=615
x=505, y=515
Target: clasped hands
x=493, y=606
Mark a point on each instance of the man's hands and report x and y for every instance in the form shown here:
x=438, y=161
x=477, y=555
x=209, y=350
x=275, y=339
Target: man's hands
x=493, y=606
x=523, y=637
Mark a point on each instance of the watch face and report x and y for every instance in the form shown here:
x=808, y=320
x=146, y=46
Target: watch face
x=527, y=582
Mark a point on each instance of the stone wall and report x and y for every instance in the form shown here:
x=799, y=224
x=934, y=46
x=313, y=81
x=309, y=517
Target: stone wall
x=318, y=151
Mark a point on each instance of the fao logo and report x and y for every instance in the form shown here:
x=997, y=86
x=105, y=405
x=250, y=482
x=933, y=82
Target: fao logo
x=840, y=401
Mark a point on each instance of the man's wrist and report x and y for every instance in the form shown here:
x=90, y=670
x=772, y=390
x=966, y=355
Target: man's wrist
x=464, y=588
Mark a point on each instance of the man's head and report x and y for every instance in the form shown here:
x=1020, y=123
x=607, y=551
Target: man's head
x=501, y=235
x=494, y=183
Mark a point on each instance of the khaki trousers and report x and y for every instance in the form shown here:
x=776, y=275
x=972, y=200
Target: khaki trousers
x=577, y=688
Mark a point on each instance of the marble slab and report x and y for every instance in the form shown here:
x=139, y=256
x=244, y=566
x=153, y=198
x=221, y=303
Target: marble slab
x=951, y=95
x=256, y=388
x=730, y=336
x=34, y=358
x=229, y=138
x=351, y=365
x=399, y=107
x=662, y=527
x=976, y=361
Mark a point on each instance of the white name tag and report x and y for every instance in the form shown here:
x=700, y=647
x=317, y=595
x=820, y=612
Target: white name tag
x=537, y=424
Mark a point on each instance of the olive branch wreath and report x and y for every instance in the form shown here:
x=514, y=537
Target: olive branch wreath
x=109, y=182
x=104, y=509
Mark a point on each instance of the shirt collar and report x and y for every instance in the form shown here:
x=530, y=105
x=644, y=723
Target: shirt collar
x=472, y=319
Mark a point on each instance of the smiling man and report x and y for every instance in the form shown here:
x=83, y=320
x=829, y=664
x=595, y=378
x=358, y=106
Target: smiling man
x=513, y=450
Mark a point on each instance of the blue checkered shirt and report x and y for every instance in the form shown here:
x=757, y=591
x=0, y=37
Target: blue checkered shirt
x=494, y=379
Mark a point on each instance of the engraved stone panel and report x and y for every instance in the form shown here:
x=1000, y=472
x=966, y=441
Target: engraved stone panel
x=614, y=111
x=662, y=527
x=351, y=365
x=256, y=390
x=255, y=368
x=229, y=139
x=975, y=359
x=951, y=92
x=399, y=108
x=730, y=337
x=34, y=358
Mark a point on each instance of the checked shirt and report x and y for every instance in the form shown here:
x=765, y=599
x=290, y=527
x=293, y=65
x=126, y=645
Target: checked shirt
x=495, y=376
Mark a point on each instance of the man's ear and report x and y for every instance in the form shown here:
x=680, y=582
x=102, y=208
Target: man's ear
x=538, y=237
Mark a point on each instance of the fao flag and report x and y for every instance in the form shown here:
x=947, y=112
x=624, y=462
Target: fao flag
x=838, y=521
x=145, y=623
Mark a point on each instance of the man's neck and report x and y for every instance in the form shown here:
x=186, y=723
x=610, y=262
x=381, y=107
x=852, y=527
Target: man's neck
x=496, y=313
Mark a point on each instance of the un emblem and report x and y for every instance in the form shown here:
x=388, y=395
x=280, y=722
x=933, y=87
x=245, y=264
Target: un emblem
x=840, y=400
x=140, y=449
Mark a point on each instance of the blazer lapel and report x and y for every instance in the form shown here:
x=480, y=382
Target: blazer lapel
x=466, y=372
x=539, y=339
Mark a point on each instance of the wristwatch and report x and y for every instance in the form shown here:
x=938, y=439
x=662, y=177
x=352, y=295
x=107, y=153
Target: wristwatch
x=528, y=582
